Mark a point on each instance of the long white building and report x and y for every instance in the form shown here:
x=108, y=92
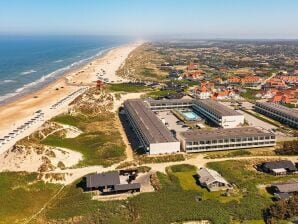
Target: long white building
x=154, y=137
x=278, y=112
x=225, y=139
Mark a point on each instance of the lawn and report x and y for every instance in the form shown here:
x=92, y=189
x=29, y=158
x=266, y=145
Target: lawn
x=160, y=93
x=186, y=175
x=127, y=87
x=250, y=94
x=101, y=143
x=21, y=196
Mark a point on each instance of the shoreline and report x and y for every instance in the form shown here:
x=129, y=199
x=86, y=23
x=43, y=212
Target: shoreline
x=15, y=113
x=45, y=84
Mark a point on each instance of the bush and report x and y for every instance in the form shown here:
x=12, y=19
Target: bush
x=283, y=210
x=288, y=148
x=182, y=168
x=161, y=159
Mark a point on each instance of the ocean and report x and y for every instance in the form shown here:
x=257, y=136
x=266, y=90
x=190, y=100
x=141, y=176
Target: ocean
x=29, y=63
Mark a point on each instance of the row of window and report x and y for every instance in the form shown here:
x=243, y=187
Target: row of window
x=228, y=146
x=209, y=113
x=217, y=141
x=278, y=113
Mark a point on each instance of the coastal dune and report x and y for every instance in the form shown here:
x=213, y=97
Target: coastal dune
x=16, y=113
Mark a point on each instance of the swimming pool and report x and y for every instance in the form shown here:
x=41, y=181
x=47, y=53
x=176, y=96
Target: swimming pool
x=190, y=115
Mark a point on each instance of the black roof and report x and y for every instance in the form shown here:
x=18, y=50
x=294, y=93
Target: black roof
x=126, y=187
x=102, y=179
x=286, y=164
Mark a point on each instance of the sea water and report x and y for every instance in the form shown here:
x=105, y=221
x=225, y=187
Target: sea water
x=28, y=63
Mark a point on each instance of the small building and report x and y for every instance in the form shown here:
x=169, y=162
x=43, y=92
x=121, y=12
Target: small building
x=112, y=182
x=276, y=168
x=285, y=190
x=212, y=180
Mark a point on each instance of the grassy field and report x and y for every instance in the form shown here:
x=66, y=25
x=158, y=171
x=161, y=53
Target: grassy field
x=250, y=94
x=160, y=159
x=159, y=93
x=240, y=153
x=100, y=143
x=143, y=63
x=186, y=175
x=21, y=196
x=179, y=199
x=127, y=88
x=174, y=204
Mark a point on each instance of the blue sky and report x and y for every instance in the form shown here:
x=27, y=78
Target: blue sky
x=146, y=18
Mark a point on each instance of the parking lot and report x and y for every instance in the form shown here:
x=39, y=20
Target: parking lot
x=171, y=121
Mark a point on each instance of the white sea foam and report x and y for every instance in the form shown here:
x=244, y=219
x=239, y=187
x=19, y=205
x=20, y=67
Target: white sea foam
x=28, y=72
x=46, y=78
x=58, y=61
x=7, y=81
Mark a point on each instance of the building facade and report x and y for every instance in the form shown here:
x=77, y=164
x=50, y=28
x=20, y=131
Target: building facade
x=278, y=112
x=225, y=139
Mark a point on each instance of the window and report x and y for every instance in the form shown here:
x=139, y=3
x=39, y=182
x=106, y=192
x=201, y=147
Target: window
x=226, y=140
x=202, y=142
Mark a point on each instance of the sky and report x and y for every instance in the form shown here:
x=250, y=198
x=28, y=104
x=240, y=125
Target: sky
x=152, y=18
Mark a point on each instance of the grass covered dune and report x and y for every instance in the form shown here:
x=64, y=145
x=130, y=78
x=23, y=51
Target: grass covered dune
x=100, y=143
x=179, y=199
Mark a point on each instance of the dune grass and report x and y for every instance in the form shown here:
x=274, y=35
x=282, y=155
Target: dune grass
x=176, y=201
x=21, y=196
x=101, y=143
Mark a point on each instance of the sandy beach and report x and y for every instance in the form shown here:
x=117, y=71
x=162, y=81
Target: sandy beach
x=16, y=113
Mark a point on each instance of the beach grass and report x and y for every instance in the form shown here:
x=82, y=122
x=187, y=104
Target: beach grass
x=179, y=199
x=22, y=195
x=100, y=143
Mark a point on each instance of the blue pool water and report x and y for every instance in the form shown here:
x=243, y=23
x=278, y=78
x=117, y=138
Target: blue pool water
x=190, y=115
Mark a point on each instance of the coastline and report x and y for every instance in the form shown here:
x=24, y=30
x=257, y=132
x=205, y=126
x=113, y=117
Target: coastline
x=14, y=113
x=54, y=78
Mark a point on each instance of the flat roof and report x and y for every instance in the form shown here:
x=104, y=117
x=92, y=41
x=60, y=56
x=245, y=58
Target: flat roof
x=167, y=101
x=287, y=187
x=102, y=179
x=289, y=111
x=217, y=107
x=150, y=125
x=203, y=134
